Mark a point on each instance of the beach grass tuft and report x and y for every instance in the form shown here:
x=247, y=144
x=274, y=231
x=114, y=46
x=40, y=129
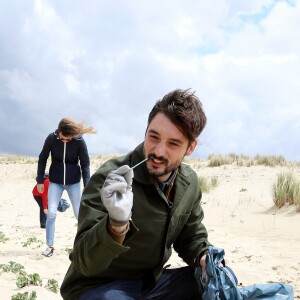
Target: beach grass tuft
x=286, y=190
x=207, y=184
x=217, y=160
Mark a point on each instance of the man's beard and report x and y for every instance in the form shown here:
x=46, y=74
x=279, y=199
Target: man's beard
x=168, y=168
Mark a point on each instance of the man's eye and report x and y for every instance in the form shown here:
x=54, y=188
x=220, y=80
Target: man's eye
x=174, y=144
x=153, y=137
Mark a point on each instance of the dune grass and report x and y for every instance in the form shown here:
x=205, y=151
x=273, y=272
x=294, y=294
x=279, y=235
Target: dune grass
x=207, y=184
x=217, y=160
x=286, y=190
x=13, y=159
x=271, y=160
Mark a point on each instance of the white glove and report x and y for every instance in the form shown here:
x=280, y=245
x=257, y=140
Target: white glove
x=117, y=196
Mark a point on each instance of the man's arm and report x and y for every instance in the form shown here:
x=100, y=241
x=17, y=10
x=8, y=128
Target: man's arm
x=95, y=246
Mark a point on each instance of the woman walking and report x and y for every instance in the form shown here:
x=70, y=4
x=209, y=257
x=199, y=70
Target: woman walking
x=69, y=162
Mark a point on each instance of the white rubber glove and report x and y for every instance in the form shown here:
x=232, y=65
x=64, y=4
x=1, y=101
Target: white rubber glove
x=117, y=196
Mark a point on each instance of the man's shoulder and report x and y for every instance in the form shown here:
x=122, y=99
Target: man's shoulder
x=186, y=170
x=188, y=175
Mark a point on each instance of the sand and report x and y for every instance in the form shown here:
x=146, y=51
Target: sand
x=261, y=242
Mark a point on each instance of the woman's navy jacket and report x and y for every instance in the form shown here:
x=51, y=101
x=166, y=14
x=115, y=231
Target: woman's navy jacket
x=69, y=161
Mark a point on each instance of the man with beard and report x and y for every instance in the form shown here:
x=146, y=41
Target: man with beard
x=129, y=221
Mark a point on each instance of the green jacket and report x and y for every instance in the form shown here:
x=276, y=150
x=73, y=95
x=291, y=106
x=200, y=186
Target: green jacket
x=155, y=228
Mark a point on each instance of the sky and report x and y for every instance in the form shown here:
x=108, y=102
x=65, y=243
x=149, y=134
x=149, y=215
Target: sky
x=107, y=62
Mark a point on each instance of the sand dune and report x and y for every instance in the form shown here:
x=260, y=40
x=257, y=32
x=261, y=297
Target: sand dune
x=261, y=243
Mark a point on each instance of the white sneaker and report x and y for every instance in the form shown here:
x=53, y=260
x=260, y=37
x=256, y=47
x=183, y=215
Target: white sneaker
x=48, y=251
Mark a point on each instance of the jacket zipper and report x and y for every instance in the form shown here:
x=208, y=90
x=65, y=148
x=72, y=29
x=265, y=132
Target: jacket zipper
x=64, y=162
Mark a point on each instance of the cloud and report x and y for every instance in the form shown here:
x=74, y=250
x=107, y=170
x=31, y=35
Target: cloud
x=108, y=62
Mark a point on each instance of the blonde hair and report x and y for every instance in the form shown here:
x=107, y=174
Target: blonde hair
x=68, y=127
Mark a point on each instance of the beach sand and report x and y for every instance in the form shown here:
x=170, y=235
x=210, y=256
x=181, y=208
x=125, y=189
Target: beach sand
x=261, y=243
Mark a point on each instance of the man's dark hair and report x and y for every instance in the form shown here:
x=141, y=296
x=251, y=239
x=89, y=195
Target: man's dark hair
x=184, y=109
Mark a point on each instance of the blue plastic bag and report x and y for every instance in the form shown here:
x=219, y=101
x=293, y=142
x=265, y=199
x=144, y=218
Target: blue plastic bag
x=220, y=283
x=63, y=205
x=270, y=291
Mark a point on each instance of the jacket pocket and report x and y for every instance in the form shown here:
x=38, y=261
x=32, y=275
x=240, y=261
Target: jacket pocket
x=176, y=225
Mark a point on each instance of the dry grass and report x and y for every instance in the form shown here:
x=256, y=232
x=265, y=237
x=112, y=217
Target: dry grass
x=217, y=160
x=14, y=159
x=270, y=161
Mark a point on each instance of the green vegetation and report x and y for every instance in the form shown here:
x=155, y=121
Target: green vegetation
x=52, y=285
x=12, y=267
x=24, y=296
x=32, y=240
x=28, y=279
x=69, y=250
x=24, y=279
x=3, y=238
x=207, y=184
x=286, y=190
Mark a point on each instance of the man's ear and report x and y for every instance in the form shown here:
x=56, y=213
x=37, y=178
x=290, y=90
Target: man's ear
x=191, y=148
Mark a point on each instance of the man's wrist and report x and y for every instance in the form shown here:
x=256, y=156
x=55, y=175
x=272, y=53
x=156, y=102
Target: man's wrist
x=119, y=230
x=197, y=259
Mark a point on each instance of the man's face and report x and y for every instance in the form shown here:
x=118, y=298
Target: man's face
x=165, y=146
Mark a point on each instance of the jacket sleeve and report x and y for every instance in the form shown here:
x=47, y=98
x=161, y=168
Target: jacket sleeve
x=43, y=159
x=192, y=241
x=94, y=249
x=84, y=162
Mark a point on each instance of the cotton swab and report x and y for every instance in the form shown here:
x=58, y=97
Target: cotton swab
x=138, y=164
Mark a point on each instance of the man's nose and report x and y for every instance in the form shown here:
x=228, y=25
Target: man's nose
x=160, y=150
